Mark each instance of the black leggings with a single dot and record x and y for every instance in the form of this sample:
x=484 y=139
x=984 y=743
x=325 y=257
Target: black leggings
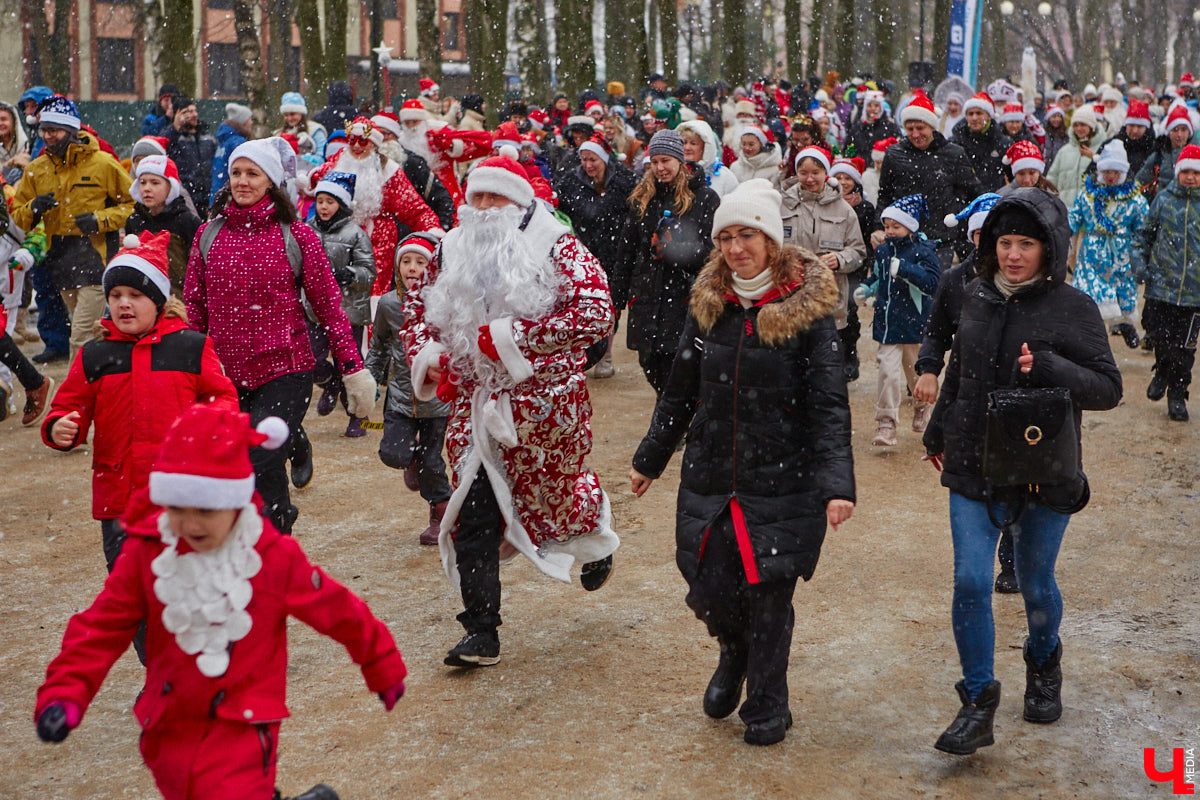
x=12 y=357
x=286 y=397
x=1170 y=325
x=477 y=550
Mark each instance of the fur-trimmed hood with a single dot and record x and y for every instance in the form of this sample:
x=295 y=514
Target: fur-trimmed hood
x=806 y=289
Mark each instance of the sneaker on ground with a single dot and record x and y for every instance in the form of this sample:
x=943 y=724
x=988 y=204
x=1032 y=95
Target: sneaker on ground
x=885 y=434
x=475 y=650
x=37 y=403
x=594 y=573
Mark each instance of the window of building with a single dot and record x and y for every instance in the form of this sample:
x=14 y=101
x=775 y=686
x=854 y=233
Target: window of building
x=390 y=9
x=450 y=31
x=114 y=62
x=224 y=72
x=221 y=5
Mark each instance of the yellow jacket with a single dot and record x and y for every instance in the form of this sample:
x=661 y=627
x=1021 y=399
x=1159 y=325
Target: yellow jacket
x=86 y=181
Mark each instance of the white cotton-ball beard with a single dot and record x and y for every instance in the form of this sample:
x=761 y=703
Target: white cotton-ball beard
x=368 y=184
x=487 y=272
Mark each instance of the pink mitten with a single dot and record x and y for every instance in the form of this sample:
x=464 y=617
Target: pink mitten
x=392 y=695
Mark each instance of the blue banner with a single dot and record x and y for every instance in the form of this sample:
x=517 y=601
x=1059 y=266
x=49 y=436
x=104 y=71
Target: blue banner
x=962 y=58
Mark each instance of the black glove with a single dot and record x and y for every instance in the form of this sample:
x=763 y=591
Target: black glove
x=52 y=724
x=87 y=224
x=344 y=277
x=41 y=204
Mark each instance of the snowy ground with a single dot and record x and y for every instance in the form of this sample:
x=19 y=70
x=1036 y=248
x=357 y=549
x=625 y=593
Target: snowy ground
x=598 y=695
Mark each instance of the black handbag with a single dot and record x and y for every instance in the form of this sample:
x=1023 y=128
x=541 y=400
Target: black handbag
x=1030 y=442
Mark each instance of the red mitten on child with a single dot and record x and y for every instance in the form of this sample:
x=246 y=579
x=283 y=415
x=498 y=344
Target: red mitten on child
x=58 y=719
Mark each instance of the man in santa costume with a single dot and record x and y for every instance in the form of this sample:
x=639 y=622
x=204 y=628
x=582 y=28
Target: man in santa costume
x=497 y=327
x=441 y=145
x=384 y=197
x=416 y=168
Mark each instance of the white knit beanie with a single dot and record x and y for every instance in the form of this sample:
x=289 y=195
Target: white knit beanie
x=273 y=155
x=754 y=204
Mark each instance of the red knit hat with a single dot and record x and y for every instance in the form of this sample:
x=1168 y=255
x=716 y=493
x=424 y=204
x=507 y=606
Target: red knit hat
x=853 y=167
x=142 y=264
x=1013 y=112
x=503 y=176
x=387 y=121
x=164 y=168
x=542 y=190
x=920 y=110
x=982 y=101
x=412 y=111
x=1179 y=116
x=1189 y=158
x=205 y=458
x=1024 y=155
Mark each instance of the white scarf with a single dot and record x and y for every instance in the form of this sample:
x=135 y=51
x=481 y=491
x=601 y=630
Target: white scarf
x=751 y=290
x=205 y=594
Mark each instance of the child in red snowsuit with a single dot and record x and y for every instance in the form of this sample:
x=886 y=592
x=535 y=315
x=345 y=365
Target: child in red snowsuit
x=133 y=382
x=215 y=582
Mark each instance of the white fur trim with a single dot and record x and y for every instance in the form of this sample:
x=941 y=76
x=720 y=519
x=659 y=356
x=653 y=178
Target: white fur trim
x=975 y=102
x=430 y=356
x=846 y=169
x=1175 y=123
x=510 y=354
x=814 y=153
x=413 y=114
x=1014 y=116
x=200 y=491
x=153 y=273
x=1187 y=163
x=292 y=108
x=905 y=219
x=592 y=147
x=756 y=132
x=1138 y=121
x=1029 y=162
x=386 y=123
x=877 y=155
x=502 y=182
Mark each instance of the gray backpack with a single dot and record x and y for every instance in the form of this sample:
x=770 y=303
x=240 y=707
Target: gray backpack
x=295 y=256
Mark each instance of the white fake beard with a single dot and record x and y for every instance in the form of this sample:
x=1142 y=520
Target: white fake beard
x=394 y=151
x=368 y=185
x=488 y=272
x=414 y=141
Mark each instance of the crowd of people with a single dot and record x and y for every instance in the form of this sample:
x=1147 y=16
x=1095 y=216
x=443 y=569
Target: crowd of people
x=203 y=288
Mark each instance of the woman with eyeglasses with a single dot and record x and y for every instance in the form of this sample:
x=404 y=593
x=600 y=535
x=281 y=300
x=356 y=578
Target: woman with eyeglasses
x=667 y=239
x=757 y=388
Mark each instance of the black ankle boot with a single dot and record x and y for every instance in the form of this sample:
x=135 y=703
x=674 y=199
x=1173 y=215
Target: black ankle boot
x=724 y=690
x=1043 y=687
x=1177 y=405
x=972 y=728
x=318 y=792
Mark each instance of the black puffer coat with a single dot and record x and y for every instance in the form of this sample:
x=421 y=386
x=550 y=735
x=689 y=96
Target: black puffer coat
x=943 y=316
x=863 y=135
x=181 y=223
x=1063 y=329
x=986 y=151
x=761 y=396
x=658 y=284
x=942 y=172
x=599 y=219
x=339 y=107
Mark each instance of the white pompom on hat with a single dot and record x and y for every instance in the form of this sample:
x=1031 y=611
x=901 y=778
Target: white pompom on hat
x=754 y=204
x=205 y=458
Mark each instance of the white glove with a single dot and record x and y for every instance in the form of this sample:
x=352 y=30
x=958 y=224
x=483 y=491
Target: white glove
x=860 y=294
x=894 y=266
x=24 y=258
x=360 y=393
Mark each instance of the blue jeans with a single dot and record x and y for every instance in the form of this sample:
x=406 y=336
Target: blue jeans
x=52 y=324
x=1037 y=536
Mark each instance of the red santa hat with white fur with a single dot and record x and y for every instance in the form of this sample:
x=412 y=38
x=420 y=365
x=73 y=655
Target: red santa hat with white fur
x=982 y=101
x=920 y=110
x=1024 y=155
x=413 y=111
x=503 y=176
x=164 y=168
x=1189 y=158
x=205 y=458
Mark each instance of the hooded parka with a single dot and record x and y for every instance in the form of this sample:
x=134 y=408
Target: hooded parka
x=825 y=223
x=598 y=219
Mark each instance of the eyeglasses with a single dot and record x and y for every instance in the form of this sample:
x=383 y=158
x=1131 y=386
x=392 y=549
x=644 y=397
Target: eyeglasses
x=744 y=238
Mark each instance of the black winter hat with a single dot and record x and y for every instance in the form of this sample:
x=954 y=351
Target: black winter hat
x=1017 y=221
x=129 y=276
x=472 y=102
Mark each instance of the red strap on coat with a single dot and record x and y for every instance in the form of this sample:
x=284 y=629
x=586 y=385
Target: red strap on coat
x=743 y=541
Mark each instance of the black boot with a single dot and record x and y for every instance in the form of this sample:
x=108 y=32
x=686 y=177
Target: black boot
x=724 y=690
x=301 y=456
x=1177 y=404
x=972 y=728
x=318 y=792
x=1158 y=385
x=1043 y=687
x=849 y=353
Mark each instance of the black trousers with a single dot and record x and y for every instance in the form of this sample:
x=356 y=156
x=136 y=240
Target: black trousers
x=12 y=357
x=406 y=439
x=657 y=368
x=477 y=549
x=112 y=536
x=754 y=621
x=285 y=397
x=1170 y=325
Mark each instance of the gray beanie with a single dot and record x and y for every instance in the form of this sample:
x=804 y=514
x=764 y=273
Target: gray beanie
x=666 y=143
x=237 y=113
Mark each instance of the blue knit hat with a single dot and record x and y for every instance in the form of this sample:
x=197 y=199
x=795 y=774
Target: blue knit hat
x=58 y=111
x=293 y=103
x=975 y=212
x=910 y=211
x=338 y=184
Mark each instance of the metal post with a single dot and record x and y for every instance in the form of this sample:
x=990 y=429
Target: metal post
x=376 y=36
x=922 y=25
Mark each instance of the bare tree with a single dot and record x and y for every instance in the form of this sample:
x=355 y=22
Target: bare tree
x=169 y=26
x=487 y=47
x=668 y=26
x=250 y=60
x=575 y=59
x=49 y=65
x=429 y=39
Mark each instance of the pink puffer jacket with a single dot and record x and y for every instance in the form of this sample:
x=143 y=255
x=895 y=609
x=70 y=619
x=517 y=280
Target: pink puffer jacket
x=245 y=297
